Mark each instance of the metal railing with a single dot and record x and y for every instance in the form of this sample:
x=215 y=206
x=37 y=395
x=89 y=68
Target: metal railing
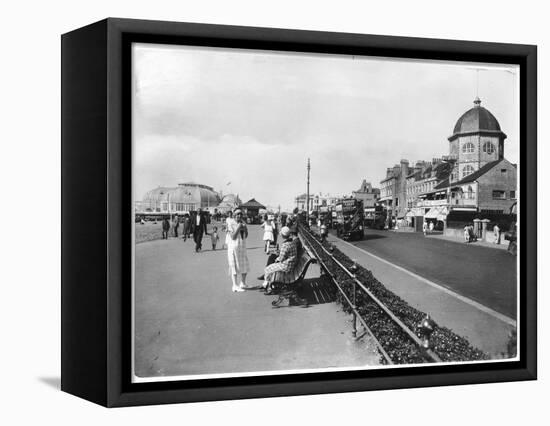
x=357 y=284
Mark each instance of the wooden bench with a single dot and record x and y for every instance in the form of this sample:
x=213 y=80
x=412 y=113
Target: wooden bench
x=285 y=283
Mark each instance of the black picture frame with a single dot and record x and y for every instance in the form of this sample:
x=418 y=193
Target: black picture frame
x=96 y=179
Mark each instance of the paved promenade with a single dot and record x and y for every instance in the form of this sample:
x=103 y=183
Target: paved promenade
x=188 y=322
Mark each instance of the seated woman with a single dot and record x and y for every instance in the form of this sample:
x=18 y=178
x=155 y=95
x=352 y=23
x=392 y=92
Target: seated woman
x=285 y=261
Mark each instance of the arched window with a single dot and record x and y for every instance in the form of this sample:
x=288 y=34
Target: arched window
x=468 y=148
x=470 y=193
x=488 y=147
x=467 y=170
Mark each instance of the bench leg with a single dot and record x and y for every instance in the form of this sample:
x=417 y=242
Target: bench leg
x=277 y=303
x=294 y=299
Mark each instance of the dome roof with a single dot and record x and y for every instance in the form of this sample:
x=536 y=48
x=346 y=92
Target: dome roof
x=187 y=193
x=157 y=194
x=475 y=120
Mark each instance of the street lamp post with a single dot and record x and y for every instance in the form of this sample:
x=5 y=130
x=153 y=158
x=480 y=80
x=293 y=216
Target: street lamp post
x=307 y=195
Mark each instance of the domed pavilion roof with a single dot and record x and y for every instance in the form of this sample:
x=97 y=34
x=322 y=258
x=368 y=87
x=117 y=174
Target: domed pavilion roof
x=477 y=120
x=187 y=193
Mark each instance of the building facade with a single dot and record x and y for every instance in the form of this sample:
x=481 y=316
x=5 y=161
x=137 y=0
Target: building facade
x=393 y=190
x=317 y=202
x=228 y=203
x=474 y=177
x=184 y=198
x=367 y=194
x=476 y=141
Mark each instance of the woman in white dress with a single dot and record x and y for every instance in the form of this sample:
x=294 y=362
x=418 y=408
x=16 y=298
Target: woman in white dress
x=236 y=251
x=268 y=233
x=228 y=220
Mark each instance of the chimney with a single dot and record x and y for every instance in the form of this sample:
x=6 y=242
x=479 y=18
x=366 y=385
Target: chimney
x=404 y=167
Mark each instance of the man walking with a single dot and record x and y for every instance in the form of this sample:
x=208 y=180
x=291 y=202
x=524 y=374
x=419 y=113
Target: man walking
x=165 y=228
x=176 y=224
x=199 y=229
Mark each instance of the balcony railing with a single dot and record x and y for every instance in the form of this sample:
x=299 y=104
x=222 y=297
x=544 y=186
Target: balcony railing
x=431 y=203
x=463 y=202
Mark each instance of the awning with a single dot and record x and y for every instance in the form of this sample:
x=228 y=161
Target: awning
x=410 y=214
x=443 y=212
x=465 y=209
x=439 y=213
x=432 y=214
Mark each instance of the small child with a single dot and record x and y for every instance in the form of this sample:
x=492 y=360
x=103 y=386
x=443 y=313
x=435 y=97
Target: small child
x=215 y=237
x=268 y=233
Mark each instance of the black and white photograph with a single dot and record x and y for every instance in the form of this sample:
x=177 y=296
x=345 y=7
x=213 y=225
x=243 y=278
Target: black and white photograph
x=300 y=212
x=275 y=213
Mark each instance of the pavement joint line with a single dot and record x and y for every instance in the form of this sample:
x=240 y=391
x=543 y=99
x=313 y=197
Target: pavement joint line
x=464 y=299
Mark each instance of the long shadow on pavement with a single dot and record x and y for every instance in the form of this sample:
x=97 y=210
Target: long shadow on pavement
x=373 y=237
x=312 y=291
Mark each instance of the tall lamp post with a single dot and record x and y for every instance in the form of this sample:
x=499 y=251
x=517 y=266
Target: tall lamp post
x=307 y=195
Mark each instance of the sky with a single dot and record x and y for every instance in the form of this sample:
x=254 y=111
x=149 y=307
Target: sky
x=246 y=121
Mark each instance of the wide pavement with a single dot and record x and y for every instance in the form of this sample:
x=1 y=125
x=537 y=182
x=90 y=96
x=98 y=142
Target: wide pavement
x=189 y=322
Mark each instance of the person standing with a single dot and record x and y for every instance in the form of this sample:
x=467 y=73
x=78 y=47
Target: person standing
x=275 y=225
x=496 y=233
x=199 y=229
x=176 y=225
x=268 y=233
x=214 y=237
x=471 y=233
x=165 y=228
x=228 y=221
x=237 y=257
x=186 y=227
x=431 y=227
x=512 y=237
x=425 y=227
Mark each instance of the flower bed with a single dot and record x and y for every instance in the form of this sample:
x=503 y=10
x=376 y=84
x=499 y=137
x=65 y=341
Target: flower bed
x=449 y=346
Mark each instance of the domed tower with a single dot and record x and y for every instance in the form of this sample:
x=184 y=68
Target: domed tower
x=476 y=141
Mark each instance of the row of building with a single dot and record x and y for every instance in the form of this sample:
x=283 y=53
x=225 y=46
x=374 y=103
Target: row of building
x=474 y=177
x=325 y=202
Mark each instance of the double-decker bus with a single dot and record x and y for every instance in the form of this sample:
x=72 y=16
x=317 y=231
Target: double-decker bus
x=375 y=217
x=349 y=219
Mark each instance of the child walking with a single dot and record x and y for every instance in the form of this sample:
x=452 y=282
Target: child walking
x=215 y=237
x=268 y=233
